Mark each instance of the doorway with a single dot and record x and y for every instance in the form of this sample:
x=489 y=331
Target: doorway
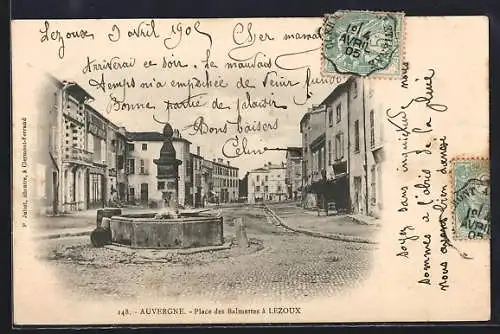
x=144 y=193
x=357 y=194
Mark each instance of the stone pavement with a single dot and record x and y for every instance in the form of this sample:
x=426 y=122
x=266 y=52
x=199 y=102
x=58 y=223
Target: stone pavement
x=76 y=223
x=64 y=232
x=336 y=227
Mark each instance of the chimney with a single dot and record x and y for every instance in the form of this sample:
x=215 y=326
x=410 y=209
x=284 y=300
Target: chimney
x=198 y=150
x=228 y=163
x=214 y=159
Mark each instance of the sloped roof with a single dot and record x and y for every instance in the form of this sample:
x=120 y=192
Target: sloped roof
x=150 y=136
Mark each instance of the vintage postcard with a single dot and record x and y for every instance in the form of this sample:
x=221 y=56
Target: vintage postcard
x=251 y=170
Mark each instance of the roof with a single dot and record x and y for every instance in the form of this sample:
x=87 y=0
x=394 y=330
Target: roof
x=316 y=109
x=334 y=94
x=276 y=166
x=339 y=89
x=259 y=170
x=151 y=136
x=98 y=114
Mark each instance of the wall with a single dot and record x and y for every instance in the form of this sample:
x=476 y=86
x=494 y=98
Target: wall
x=276 y=184
x=357 y=180
x=46 y=136
x=375 y=103
x=336 y=128
x=135 y=180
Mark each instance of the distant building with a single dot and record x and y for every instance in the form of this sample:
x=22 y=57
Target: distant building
x=142 y=149
x=312 y=127
x=267 y=183
x=225 y=182
x=243 y=196
x=200 y=184
x=213 y=181
x=293 y=178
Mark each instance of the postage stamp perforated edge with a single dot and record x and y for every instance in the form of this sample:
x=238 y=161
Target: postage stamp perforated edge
x=376 y=75
x=452 y=175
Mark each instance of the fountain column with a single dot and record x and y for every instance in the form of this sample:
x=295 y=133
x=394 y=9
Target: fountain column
x=168 y=171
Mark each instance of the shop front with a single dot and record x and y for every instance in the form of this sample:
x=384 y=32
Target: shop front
x=96 y=187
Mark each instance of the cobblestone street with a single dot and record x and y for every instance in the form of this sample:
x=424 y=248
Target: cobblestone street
x=278 y=264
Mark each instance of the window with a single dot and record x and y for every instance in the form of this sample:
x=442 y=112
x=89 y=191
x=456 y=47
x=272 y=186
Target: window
x=120 y=162
x=339 y=146
x=130 y=166
x=372 y=128
x=330 y=116
x=161 y=185
x=330 y=152
x=131 y=193
x=354 y=89
x=267 y=178
x=130 y=147
x=356 y=136
x=257 y=188
x=279 y=176
x=258 y=178
x=144 y=147
x=279 y=188
x=144 y=167
x=338 y=112
x=266 y=189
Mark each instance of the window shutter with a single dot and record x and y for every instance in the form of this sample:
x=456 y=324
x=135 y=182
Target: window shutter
x=341 y=153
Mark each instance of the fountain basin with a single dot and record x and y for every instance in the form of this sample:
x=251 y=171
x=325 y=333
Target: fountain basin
x=144 y=231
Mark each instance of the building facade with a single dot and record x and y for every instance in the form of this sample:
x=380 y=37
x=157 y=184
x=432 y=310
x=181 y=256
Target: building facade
x=267 y=184
x=97 y=145
x=143 y=185
x=312 y=128
x=348 y=171
x=225 y=181
x=85 y=161
x=294 y=172
x=200 y=181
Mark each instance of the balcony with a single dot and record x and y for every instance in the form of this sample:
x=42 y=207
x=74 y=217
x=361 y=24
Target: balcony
x=78 y=155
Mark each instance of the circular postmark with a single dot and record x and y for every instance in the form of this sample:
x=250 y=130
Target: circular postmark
x=471 y=200
x=360 y=42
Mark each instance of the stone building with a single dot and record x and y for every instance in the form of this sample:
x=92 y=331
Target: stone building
x=293 y=178
x=79 y=151
x=267 y=184
x=142 y=149
x=62 y=156
x=97 y=145
x=312 y=128
x=342 y=157
x=225 y=181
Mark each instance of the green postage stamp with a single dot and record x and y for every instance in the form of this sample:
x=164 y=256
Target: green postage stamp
x=362 y=43
x=471 y=198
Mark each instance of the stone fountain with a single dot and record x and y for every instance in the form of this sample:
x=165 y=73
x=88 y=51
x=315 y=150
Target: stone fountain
x=169 y=228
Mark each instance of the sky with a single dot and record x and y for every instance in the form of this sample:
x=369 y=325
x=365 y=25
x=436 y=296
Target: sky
x=279 y=70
